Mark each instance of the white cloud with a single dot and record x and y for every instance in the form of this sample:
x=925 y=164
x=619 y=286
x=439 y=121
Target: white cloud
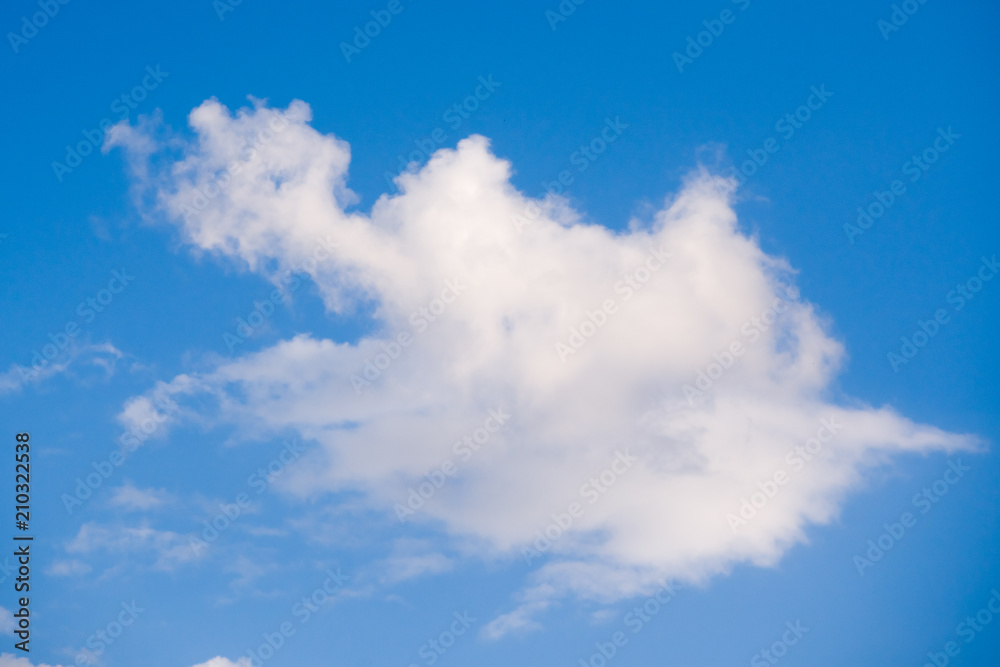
x=519 y=620
x=523 y=289
x=10 y=660
x=6 y=621
x=412 y=559
x=68 y=568
x=247 y=571
x=223 y=662
x=129 y=497
x=169 y=549
x=104 y=356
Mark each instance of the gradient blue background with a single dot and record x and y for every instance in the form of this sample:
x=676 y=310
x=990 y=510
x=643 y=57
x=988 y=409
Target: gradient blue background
x=557 y=87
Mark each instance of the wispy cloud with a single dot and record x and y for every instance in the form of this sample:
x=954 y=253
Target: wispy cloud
x=10 y=660
x=129 y=497
x=68 y=568
x=168 y=549
x=412 y=559
x=104 y=357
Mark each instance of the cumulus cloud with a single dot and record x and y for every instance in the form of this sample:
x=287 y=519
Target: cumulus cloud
x=612 y=353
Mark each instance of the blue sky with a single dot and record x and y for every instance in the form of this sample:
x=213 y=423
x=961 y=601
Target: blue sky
x=185 y=333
